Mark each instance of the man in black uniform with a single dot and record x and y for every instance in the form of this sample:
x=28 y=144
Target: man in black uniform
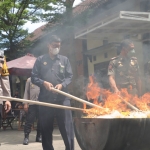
x=123 y=70
x=54 y=70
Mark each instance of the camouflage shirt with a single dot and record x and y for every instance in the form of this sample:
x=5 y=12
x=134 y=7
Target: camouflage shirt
x=124 y=70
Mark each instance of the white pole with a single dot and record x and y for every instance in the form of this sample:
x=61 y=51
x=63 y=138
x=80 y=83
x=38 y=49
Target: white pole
x=41 y=103
x=76 y=98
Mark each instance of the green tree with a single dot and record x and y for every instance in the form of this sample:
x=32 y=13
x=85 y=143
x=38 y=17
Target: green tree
x=13 y=15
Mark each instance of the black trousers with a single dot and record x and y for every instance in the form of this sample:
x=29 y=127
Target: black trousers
x=33 y=113
x=65 y=124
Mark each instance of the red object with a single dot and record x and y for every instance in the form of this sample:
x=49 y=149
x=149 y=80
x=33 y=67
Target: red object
x=21 y=66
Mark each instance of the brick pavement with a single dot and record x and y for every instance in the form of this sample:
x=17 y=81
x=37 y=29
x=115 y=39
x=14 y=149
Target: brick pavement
x=12 y=140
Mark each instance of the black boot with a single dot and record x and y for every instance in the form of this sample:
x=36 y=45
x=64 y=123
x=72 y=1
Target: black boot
x=26 y=139
x=38 y=137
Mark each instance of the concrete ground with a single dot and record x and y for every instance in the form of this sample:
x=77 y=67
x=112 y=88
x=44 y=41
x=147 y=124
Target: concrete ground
x=12 y=140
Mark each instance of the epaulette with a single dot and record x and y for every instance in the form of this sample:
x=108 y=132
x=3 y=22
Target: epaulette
x=5 y=68
x=134 y=58
x=28 y=80
x=114 y=58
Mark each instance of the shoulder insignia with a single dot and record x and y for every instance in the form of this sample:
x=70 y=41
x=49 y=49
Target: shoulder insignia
x=45 y=63
x=5 y=68
x=114 y=58
x=28 y=80
x=134 y=58
x=132 y=62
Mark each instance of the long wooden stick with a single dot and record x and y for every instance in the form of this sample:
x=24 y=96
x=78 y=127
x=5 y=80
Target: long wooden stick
x=76 y=98
x=41 y=103
x=129 y=104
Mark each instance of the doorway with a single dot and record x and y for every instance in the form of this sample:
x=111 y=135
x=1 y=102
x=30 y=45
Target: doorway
x=100 y=71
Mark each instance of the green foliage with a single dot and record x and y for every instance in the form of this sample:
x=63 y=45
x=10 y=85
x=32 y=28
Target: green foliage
x=14 y=14
x=60 y=18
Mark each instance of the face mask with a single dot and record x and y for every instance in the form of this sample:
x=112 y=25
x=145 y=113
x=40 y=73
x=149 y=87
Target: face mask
x=131 y=53
x=55 y=51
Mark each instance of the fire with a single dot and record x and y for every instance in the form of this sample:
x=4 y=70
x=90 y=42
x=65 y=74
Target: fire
x=112 y=102
x=93 y=90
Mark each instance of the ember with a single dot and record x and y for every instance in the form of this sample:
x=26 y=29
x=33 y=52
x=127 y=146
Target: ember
x=113 y=105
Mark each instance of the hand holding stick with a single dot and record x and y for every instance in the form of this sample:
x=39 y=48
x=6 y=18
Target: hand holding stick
x=76 y=98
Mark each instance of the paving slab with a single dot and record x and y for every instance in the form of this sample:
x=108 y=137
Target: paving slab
x=12 y=140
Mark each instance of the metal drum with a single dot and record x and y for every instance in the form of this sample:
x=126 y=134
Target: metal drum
x=113 y=134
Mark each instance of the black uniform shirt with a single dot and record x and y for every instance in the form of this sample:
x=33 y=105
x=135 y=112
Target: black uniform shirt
x=57 y=71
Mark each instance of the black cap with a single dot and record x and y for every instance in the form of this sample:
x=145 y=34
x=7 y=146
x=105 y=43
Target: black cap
x=125 y=43
x=54 y=38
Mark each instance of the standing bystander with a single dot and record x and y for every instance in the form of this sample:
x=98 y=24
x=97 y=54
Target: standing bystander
x=4 y=85
x=31 y=93
x=123 y=70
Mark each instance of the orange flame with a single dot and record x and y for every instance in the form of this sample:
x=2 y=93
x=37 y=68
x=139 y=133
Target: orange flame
x=93 y=90
x=112 y=101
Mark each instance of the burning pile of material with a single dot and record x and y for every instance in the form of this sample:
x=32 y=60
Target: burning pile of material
x=113 y=105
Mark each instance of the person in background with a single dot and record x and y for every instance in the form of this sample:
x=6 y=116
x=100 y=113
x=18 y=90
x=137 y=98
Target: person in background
x=16 y=105
x=32 y=111
x=54 y=71
x=4 y=85
x=123 y=71
x=147 y=77
x=16 y=95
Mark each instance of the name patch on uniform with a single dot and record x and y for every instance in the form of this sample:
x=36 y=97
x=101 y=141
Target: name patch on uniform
x=61 y=68
x=45 y=63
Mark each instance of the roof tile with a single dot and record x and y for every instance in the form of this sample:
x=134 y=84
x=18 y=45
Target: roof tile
x=76 y=11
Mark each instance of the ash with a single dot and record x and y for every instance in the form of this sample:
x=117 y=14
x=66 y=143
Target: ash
x=117 y=114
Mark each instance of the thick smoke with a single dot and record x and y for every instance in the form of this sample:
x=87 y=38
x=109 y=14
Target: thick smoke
x=80 y=22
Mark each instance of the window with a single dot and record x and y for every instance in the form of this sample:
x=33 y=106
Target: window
x=105 y=55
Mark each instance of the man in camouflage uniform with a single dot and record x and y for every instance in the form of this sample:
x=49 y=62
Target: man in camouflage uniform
x=123 y=70
x=147 y=77
x=4 y=85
